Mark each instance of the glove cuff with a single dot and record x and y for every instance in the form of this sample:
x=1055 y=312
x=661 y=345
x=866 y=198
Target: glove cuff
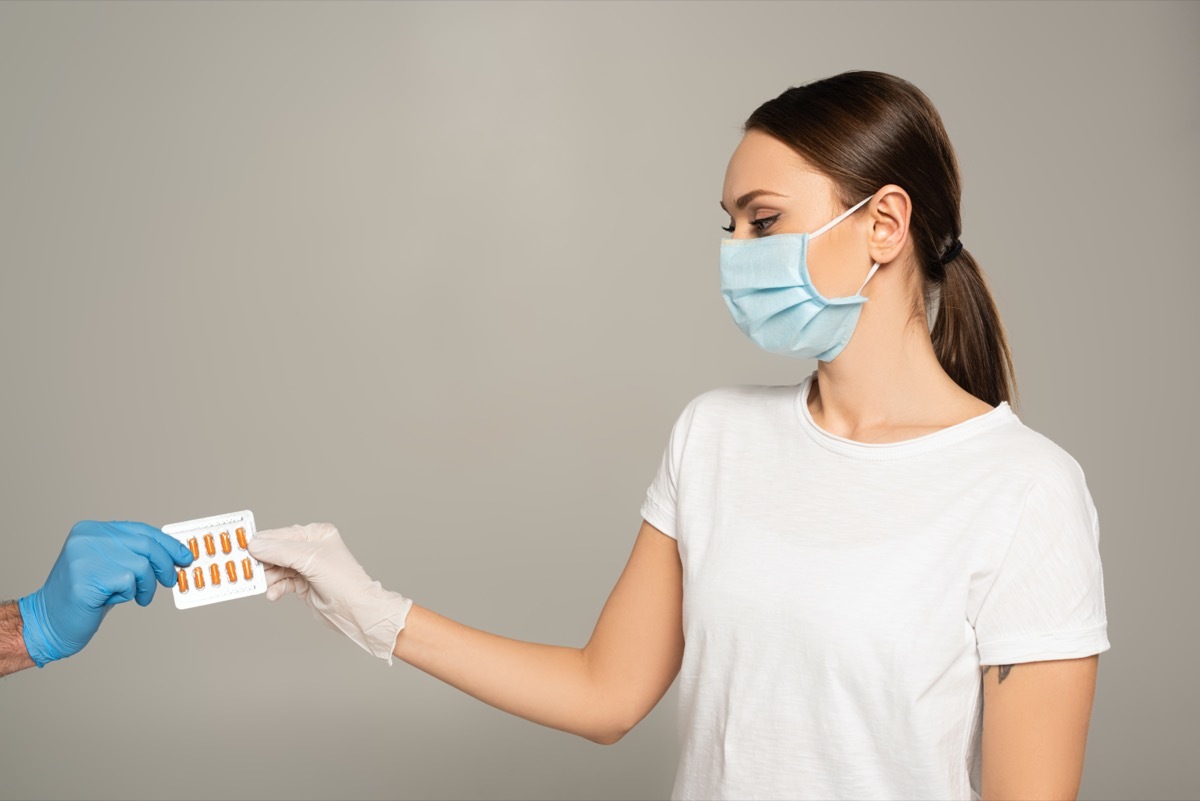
x=381 y=636
x=374 y=618
x=39 y=640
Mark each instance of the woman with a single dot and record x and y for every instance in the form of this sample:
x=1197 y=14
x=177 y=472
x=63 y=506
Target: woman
x=832 y=568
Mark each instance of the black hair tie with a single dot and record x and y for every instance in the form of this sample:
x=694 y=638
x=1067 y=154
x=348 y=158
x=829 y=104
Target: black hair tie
x=952 y=253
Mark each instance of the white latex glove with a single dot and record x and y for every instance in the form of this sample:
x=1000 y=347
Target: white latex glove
x=313 y=562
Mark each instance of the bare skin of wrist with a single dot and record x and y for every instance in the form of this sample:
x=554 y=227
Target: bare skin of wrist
x=13 y=654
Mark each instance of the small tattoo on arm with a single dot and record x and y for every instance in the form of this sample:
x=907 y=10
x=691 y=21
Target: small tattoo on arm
x=1003 y=671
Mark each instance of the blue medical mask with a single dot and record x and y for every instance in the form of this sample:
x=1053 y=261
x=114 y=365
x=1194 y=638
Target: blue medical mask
x=766 y=285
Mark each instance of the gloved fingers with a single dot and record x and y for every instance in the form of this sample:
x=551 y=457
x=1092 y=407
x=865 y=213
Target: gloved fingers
x=286 y=547
x=176 y=550
x=276 y=573
x=282 y=580
x=148 y=548
x=285 y=534
x=128 y=576
x=116 y=586
x=285 y=585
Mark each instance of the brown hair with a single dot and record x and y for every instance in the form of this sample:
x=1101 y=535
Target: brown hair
x=866 y=129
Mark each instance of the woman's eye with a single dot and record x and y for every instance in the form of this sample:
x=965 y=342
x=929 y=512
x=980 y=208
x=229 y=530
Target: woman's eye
x=764 y=223
x=728 y=228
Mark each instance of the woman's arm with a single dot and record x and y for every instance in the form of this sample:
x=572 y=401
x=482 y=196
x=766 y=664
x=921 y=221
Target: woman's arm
x=599 y=691
x=1035 y=726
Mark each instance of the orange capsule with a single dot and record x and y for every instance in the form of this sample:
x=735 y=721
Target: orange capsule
x=198 y=578
x=194 y=547
x=247 y=569
x=214 y=573
x=183 y=586
x=210 y=545
x=231 y=571
x=226 y=545
x=241 y=535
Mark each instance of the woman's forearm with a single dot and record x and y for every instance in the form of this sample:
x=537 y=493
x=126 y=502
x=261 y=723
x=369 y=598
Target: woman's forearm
x=546 y=684
x=14 y=655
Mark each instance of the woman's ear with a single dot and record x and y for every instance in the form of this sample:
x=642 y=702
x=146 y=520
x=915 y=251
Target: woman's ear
x=889 y=213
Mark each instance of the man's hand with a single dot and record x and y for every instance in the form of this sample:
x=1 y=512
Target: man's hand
x=101 y=565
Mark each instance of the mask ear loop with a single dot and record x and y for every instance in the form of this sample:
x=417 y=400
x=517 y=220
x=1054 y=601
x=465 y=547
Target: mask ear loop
x=874 y=267
x=838 y=219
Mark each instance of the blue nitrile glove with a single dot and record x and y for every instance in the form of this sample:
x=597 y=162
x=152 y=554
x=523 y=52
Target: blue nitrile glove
x=100 y=565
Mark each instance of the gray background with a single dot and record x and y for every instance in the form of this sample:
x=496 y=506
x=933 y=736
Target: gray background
x=444 y=275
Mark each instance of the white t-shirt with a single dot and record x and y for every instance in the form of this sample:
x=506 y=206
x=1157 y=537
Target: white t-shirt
x=840 y=597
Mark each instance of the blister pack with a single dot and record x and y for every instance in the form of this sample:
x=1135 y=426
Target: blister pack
x=223 y=568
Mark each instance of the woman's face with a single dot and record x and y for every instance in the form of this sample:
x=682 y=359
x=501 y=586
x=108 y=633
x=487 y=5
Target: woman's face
x=770 y=189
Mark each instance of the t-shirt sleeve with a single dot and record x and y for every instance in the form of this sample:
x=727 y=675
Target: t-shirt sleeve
x=1047 y=600
x=660 y=506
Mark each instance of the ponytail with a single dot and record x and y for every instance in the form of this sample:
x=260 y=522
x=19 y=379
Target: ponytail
x=968 y=336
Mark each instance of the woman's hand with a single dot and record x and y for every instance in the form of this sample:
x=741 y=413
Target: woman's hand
x=313 y=562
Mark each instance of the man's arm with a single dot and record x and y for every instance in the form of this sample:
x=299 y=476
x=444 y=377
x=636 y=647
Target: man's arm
x=13 y=654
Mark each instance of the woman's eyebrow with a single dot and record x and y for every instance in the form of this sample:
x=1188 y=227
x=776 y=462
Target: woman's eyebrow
x=746 y=198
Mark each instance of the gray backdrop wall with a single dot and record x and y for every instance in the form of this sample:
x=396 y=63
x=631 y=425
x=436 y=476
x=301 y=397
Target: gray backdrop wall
x=444 y=274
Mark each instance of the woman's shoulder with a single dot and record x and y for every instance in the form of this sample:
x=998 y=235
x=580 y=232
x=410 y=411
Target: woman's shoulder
x=742 y=397
x=738 y=407
x=1033 y=454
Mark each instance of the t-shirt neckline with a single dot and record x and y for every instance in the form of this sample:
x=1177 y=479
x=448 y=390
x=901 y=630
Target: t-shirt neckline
x=877 y=451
